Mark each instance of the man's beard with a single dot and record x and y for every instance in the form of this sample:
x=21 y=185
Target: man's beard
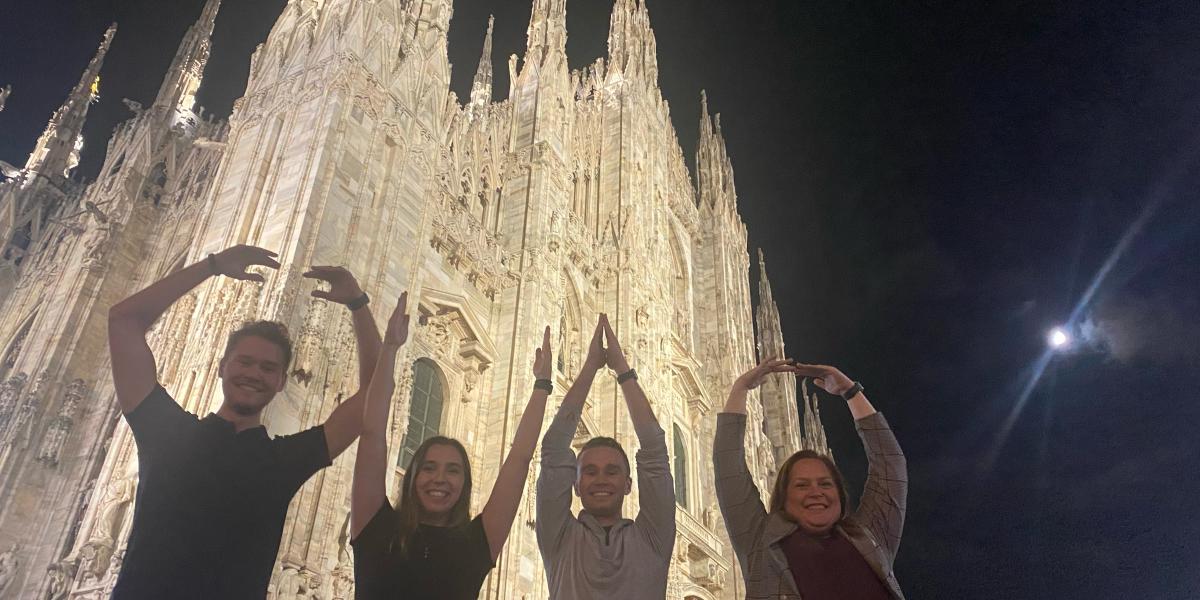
x=247 y=403
x=245 y=410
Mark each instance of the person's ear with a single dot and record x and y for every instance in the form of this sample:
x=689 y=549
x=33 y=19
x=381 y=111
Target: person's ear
x=628 y=485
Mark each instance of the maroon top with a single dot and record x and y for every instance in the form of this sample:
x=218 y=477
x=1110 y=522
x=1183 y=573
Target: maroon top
x=831 y=568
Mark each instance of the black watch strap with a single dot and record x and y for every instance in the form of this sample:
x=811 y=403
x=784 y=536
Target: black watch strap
x=359 y=302
x=626 y=376
x=212 y=263
x=544 y=384
x=852 y=392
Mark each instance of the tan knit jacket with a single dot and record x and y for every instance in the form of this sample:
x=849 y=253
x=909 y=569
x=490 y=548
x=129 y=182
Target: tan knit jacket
x=874 y=528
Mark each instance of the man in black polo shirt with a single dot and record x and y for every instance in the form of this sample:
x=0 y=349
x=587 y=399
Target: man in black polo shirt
x=213 y=492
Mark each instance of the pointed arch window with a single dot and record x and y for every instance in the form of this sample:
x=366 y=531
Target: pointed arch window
x=425 y=409
x=681 y=468
x=562 y=342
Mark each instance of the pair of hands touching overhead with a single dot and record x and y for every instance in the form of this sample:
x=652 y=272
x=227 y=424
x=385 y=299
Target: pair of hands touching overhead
x=604 y=349
x=826 y=377
x=598 y=354
x=236 y=261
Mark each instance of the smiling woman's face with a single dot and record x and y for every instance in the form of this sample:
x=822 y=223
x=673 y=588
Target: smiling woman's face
x=439 y=482
x=812 y=497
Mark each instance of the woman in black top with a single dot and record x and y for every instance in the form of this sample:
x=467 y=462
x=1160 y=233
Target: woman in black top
x=428 y=547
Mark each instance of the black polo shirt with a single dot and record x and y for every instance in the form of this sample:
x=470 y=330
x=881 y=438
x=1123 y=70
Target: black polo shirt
x=210 y=502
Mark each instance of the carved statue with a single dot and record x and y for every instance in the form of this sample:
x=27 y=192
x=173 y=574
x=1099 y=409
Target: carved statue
x=112 y=511
x=342 y=576
x=309 y=584
x=681 y=323
x=289 y=582
x=134 y=106
x=343 y=583
x=95 y=242
x=58 y=580
x=470 y=383
x=343 y=542
x=9 y=392
x=98 y=552
x=4 y=94
x=54 y=440
x=712 y=516
x=8 y=566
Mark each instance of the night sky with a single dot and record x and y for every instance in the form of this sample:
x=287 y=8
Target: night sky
x=935 y=185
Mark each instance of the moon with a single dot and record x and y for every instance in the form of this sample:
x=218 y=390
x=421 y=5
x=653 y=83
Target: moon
x=1058 y=338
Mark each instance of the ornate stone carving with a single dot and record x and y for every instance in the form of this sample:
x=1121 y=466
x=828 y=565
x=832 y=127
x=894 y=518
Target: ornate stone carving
x=56 y=434
x=309 y=352
x=470 y=248
x=96 y=244
x=472 y=372
x=97 y=553
x=342 y=580
x=58 y=580
x=10 y=394
x=16 y=430
x=708 y=573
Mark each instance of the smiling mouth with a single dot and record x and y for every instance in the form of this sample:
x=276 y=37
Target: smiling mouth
x=816 y=506
x=602 y=494
x=249 y=387
x=439 y=494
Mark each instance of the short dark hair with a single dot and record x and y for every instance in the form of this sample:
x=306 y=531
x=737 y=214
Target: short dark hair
x=272 y=331
x=607 y=442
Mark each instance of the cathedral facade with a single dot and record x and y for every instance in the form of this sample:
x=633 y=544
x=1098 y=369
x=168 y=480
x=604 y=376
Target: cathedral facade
x=567 y=199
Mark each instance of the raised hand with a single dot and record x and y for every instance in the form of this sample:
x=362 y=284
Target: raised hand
x=616 y=356
x=343 y=287
x=754 y=377
x=596 y=355
x=826 y=377
x=233 y=262
x=397 y=327
x=541 y=357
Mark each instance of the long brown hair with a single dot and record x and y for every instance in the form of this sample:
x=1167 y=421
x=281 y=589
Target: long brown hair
x=779 y=493
x=409 y=513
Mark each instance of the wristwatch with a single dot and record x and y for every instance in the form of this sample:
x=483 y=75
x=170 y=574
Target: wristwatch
x=544 y=384
x=852 y=392
x=358 y=302
x=626 y=376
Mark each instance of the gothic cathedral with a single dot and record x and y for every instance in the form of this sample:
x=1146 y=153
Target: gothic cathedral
x=569 y=198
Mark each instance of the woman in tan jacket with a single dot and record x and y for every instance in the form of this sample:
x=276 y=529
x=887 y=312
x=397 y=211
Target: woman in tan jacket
x=808 y=544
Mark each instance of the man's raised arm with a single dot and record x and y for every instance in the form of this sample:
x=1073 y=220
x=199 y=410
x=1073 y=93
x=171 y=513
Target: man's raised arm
x=346 y=421
x=656 y=487
x=558 y=461
x=134 y=371
x=644 y=421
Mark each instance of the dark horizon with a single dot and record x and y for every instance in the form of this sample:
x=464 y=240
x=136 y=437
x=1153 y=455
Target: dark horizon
x=934 y=187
